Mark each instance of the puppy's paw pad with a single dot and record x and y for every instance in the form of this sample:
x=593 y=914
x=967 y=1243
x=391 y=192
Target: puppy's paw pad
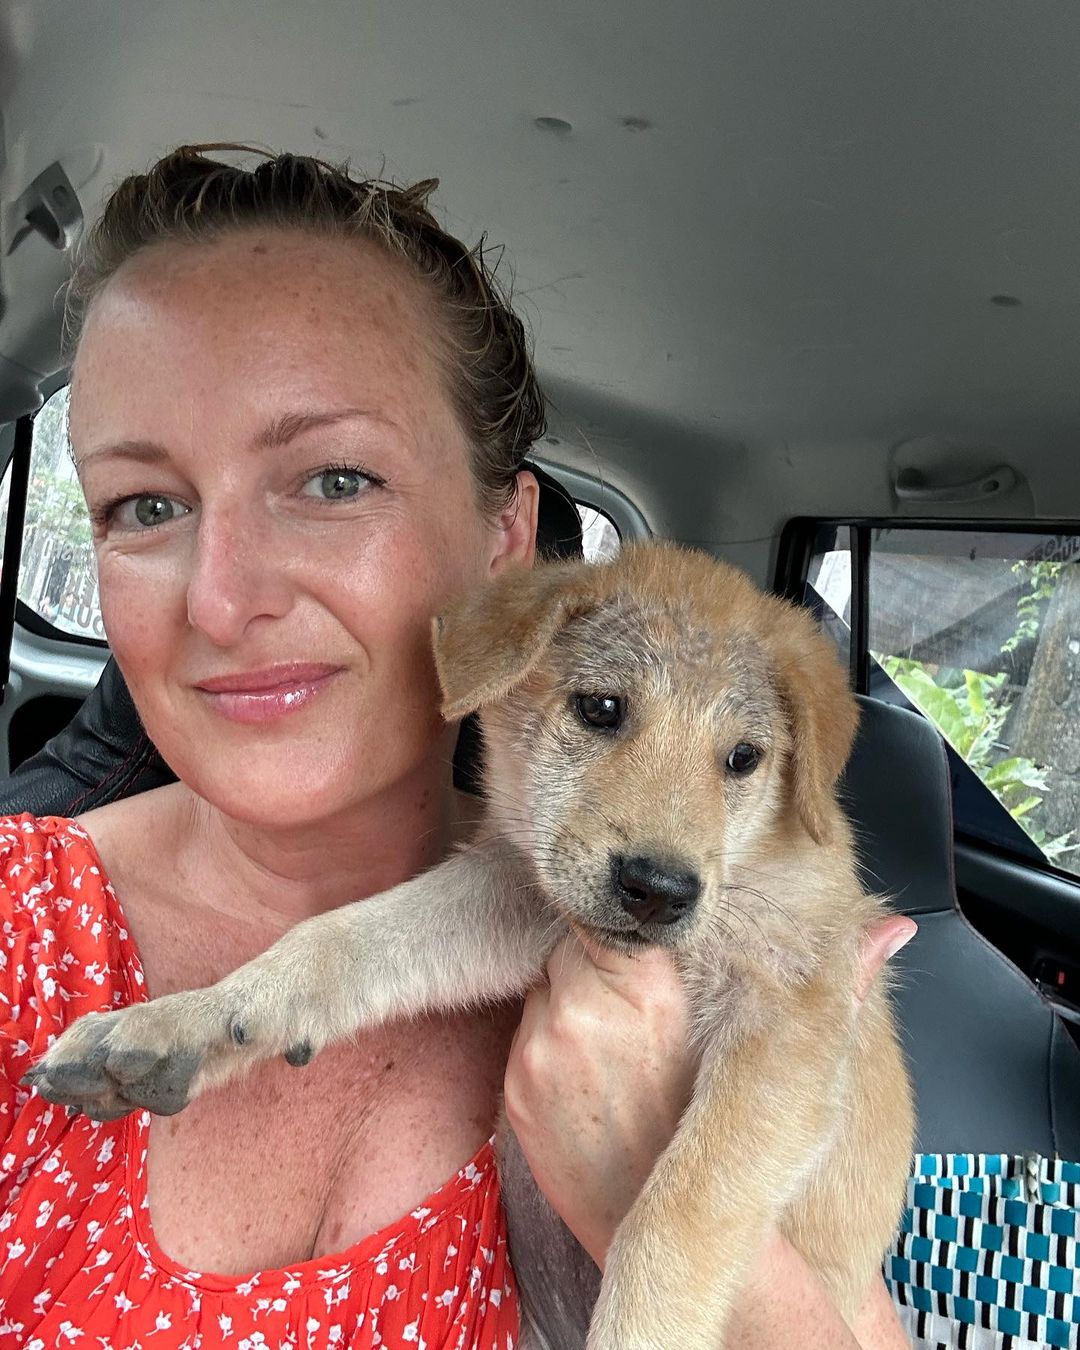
x=108 y=1064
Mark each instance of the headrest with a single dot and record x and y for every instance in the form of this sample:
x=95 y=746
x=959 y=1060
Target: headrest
x=558 y=525
x=897 y=794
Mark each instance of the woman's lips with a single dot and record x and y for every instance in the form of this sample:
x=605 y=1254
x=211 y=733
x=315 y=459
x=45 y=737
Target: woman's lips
x=264 y=695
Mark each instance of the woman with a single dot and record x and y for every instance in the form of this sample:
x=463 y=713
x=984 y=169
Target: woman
x=299 y=411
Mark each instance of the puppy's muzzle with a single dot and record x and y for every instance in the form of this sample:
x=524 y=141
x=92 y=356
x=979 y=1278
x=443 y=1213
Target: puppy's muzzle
x=652 y=892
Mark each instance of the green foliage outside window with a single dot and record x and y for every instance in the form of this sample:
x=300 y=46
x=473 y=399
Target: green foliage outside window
x=970 y=708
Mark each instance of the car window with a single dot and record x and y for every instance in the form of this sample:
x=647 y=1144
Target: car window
x=980 y=630
x=599 y=537
x=57 y=573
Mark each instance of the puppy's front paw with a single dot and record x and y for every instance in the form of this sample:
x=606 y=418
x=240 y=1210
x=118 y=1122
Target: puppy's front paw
x=159 y=1055
x=108 y=1064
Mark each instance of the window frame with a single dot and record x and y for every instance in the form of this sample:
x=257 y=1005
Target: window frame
x=794 y=554
x=585 y=490
x=25 y=617
x=32 y=622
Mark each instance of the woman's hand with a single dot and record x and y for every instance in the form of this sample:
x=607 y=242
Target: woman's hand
x=882 y=941
x=600 y=1072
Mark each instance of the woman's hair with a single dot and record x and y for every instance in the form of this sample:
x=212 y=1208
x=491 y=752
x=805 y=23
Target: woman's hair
x=189 y=198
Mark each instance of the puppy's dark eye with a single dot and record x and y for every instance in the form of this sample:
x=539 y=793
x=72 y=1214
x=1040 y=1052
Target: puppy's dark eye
x=600 y=710
x=744 y=758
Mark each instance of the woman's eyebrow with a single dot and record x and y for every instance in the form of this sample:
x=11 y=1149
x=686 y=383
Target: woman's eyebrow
x=287 y=427
x=146 y=452
x=275 y=434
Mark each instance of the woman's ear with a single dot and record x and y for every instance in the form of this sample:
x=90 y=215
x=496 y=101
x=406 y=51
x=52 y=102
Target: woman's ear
x=490 y=640
x=516 y=526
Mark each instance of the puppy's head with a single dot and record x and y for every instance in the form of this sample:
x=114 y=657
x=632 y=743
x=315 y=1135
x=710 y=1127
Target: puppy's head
x=654 y=727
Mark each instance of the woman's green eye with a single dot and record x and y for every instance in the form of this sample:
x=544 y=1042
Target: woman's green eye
x=142 y=513
x=335 y=485
x=154 y=510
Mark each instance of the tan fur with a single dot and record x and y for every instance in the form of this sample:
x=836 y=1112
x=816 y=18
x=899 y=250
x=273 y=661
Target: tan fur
x=801 y=1114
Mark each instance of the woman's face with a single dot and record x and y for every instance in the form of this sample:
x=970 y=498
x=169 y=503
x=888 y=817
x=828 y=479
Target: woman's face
x=282 y=499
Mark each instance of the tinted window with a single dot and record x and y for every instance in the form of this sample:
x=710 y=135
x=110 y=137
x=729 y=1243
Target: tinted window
x=979 y=630
x=57 y=574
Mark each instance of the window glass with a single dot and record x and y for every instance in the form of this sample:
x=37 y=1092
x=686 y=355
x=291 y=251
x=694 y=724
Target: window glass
x=980 y=630
x=828 y=586
x=57 y=574
x=599 y=537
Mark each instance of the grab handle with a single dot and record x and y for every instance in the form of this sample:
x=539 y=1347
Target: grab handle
x=911 y=486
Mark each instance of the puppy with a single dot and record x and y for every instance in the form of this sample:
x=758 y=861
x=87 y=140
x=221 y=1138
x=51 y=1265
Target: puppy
x=662 y=748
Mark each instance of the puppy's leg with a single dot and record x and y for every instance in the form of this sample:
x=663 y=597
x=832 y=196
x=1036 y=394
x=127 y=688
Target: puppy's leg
x=558 y=1281
x=847 y=1215
x=764 y=1109
x=469 y=930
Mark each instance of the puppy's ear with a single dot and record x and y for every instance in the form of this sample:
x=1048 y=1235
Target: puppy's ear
x=822 y=713
x=490 y=640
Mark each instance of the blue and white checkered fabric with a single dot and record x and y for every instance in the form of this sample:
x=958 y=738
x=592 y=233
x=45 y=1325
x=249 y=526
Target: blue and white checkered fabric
x=986 y=1258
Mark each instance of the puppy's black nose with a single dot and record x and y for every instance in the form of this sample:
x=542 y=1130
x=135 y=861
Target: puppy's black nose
x=653 y=893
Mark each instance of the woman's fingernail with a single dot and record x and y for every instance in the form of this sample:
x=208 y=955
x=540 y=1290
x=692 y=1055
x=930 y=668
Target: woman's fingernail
x=901 y=940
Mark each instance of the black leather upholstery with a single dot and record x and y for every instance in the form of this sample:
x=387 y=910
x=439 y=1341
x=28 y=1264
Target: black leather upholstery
x=104 y=754
x=558 y=525
x=994 y=1069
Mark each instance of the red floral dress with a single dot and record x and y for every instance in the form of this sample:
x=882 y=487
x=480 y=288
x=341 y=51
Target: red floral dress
x=79 y=1265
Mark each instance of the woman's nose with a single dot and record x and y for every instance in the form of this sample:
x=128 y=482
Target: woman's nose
x=237 y=577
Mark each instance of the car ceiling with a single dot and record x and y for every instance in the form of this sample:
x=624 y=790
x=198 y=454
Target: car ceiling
x=770 y=252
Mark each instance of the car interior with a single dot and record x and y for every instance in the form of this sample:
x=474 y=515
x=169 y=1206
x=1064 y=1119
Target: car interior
x=804 y=291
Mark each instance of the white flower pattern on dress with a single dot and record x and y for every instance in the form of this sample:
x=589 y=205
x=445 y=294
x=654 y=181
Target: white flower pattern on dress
x=79 y=1265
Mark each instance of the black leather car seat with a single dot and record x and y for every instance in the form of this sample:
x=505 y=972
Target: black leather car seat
x=995 y=1070
x=104 y=753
